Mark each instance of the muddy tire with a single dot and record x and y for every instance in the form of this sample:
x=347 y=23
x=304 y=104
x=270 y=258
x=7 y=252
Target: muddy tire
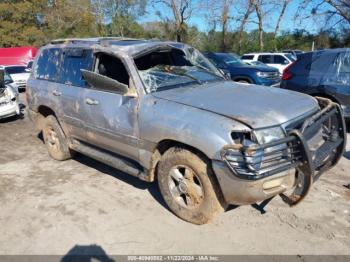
x=187 y=184
x=55 y=140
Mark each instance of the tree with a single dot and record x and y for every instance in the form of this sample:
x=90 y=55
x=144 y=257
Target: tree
x=120 y=16
x=21 y=23
x=334 y=12
x=65 y=18
x=248 y=12
x=283 y=9
x=182 y=11
x=258 y=5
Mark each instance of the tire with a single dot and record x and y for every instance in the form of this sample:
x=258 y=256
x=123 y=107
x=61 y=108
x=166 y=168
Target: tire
x=55 y=140
x=243 y=81
x=187 y=185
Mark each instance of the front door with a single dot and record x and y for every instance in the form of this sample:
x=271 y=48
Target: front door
x=112 y=123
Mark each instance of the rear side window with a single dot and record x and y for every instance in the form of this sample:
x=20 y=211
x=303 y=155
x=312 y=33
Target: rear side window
x=248 y=57
x=344 y=63
x=321 y=63
x=266 y=59
x=47 y=65
x=74 y=60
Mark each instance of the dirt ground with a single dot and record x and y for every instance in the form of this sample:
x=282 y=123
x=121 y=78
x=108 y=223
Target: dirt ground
x=50 y=207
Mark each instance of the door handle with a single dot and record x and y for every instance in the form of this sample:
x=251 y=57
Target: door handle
x=56 y=93
x=90 y=101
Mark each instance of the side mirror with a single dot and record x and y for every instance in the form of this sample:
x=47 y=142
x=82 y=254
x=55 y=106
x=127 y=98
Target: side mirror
x=2 y=78
x=102 y=82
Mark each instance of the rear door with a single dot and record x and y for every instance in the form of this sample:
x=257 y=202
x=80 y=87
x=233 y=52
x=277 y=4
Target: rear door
x=44 y=87
x=72 y=88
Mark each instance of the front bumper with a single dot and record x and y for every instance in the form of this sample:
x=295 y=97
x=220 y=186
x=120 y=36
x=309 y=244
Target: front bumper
x=297 y=168
x=9 y=109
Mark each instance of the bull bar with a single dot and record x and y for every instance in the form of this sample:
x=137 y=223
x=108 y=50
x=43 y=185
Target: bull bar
x=293 y=152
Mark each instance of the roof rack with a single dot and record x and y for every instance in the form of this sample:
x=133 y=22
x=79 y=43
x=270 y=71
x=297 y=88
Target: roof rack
x=99 y=40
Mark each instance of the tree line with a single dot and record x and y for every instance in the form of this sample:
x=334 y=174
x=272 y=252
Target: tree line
x=231 y=25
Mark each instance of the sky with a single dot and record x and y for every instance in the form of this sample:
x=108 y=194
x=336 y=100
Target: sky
x=198 y=19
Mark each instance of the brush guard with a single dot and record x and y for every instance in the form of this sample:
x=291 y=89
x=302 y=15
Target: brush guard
x=294 y=152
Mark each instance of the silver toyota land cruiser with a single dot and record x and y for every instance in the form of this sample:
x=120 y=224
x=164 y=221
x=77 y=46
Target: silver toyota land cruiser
x=162 y=112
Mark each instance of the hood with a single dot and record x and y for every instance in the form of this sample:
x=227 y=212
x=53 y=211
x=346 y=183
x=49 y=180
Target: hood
x=255 y=106
x=20 y=77
x=254 y=68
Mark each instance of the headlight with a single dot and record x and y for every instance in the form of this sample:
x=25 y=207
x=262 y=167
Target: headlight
x=268 y=135
x=250 y=157
x=262 y=74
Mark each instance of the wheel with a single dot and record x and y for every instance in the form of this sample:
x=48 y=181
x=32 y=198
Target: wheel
x=55 y=140
x=243 y=81
x=188 y=187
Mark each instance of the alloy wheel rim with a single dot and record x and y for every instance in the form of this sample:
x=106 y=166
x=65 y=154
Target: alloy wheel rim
x=185 y=186
x=52 y=138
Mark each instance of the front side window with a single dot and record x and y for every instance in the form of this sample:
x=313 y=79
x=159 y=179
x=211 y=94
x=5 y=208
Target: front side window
x=47 y=65
x=169 y=67
x=291 y=57
x=73 y=61
x=278 y=59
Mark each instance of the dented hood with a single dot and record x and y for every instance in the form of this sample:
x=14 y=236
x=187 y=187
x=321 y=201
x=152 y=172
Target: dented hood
x=255 y=106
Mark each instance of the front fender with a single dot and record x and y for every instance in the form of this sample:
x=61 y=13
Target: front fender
x=206 y=131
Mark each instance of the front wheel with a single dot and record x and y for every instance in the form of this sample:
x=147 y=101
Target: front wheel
x=188 y=187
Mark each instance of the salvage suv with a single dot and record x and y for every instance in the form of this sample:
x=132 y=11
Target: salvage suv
x=161 y=111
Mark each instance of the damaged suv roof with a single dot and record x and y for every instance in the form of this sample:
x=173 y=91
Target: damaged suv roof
x=128 y=46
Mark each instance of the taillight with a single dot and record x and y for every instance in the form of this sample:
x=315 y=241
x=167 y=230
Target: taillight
x=286 y=75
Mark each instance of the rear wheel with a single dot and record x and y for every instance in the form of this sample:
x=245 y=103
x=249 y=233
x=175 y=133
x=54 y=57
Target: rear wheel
x=188 y=187
x=55 y=140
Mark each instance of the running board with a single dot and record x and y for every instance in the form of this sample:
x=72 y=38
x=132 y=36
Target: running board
x=118 y=162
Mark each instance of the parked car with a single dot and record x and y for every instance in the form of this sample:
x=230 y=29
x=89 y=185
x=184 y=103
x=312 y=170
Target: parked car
x=163 y=112
x=323 y=73
x=277 y=60
x=19 y=74
x=244 y=73
x=9 y=105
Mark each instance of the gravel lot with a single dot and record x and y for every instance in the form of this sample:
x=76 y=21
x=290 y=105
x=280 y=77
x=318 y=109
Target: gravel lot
x=50 y=207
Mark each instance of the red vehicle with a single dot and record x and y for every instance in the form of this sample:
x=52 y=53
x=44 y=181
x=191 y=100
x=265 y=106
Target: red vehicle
x=17 y=55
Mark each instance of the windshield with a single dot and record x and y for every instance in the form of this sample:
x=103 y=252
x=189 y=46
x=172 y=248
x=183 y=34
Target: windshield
x=230 y=59
x=7 y=78
x=168 y=67
x=16 y=69
x=290 y=57
x=258 y=63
